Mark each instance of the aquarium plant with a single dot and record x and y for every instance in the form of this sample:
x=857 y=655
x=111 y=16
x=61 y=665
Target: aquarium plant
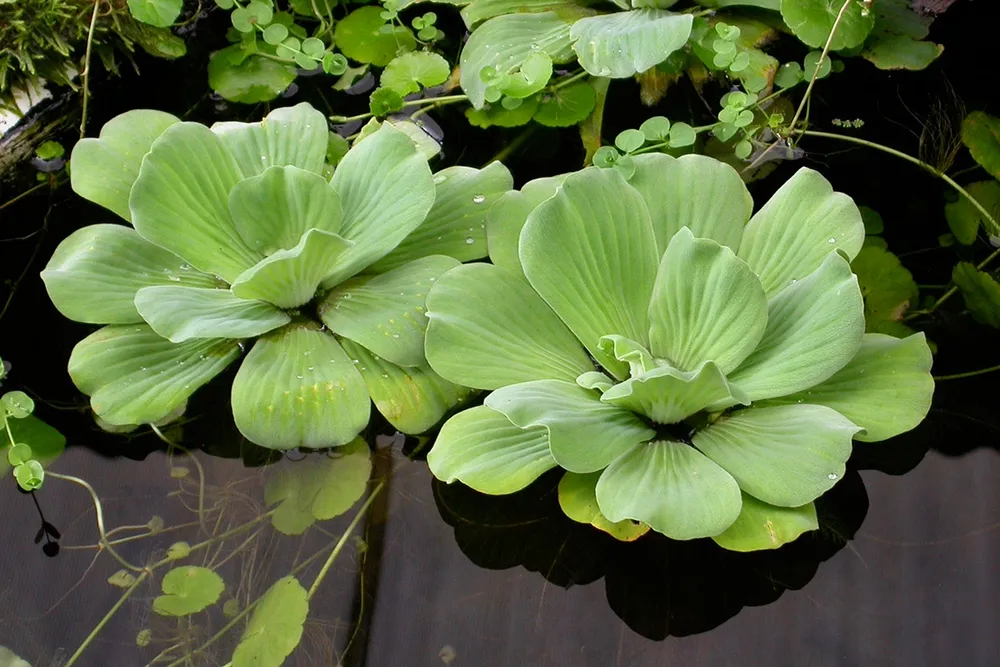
x=239 y=239
x=694 y=369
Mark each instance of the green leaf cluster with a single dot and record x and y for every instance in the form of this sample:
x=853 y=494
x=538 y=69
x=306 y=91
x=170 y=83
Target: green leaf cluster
x=27 y=444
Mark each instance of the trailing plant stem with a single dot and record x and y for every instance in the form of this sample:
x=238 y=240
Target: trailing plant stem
x=107 y=617
x=969 y=374
x=86 y=70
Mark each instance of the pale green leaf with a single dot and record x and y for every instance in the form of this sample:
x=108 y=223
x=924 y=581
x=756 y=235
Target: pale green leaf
x=981 y=293
x=704 y=195
x=272 y=211
x=890 y=52
x=386 y=190
x=814 y=327
x=181 y=313
x=290 y=278
x=638 y=358
x=248 y=79
x=275 y=628
x=507 y=217
x=188 y=590
x=595 y=380
x=672 y=487
x=488 y=329
x=159 y=13
x=762 y=526
x=812 y=21
x=981 y=135
x=964 y=219
x=411 y=399
x=406 y=74
x=291 y=136
x=478 y=11
x=886 y=389
x=7 y=657
x=179 y=201
x=887 y=287
x=589 y=251
x=318 y=488
x=95 y=272
x=622 y=44
x=584 y=434
x=707 y=305
x=105 y=168
x=359 y=37
x=578 y=500
x=385 y=312
x=456 y=224
x=133 y=376
x=795 y=231
x=46 y=443
x=482 y=449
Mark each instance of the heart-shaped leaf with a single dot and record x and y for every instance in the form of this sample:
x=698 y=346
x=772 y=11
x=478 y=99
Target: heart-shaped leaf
x=188 y=590
x=275 y=628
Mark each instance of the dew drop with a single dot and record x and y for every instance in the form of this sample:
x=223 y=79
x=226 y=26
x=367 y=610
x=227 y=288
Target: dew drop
x=440 y=178
x=479 y=199
x=469 y=241
x=347 y=295
x=832 y=475
x=395 y=335
x=831 y=240
x=299 y=377
x=385 y=375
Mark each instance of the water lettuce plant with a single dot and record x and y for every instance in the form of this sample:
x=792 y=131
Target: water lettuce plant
x=694 y=369
x=238 y=233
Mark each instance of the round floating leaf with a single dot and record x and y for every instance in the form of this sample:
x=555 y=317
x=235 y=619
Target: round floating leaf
x=188 y=590
x=584 y=433
x=578 y=501
x=385 y=312
x=500 y=116
x=30 y=475
x=9 y=659
x=408 y=72
x=133 y=376
x=238 y=77
x=104 y=169
x=287 y=137
x=629 y=141
x=814 y=328
x=297 y=388
x=813 y=20
x=17 y=404
x=46 y=443
x=886 y=389
x=964 y=219
x=707 y=305
x=656 y=128
x=981 y=292
x=95 y=272
x=566 y=106
x=159 y=13
x=360 y=37
x=482 y=449
x=275 y=34
x=888 y=288
x=889 y=52
x=762 y=526
x=789 y=74
x=981 y=134
x=785 y=455
x=681 y=135
x=672 y=487
x=621 y=44
x=182 y=313
x=18 y=453
x=596 y=276
x=275 y=628
x=318 y=488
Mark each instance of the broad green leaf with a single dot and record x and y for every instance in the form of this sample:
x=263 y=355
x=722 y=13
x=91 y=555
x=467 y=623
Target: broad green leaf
x=584 y=434
x=814 y=328
x=386 y=190
x=589 y=251
x=785 y=455
x=406 y=74
x=889 y=52
x=188 y=590
x=274 y=210
x=478 y=11
x=297 y=388
x=507 y=217
x=7 y=657
x=566 y=106
x=887 y=287
x=774 y=5
x=886 y=389
x=275 y=628
x=456 y=224
x=179 y=200
x=482 y=449
x=385 y=312
x=317 y=488
x=182 y=313
x=981 y=292
x=95 y=272
x=133 y=376
x=290 y=278
x=287 y=137
x=159 y=13
x=671 y=486
x=504 y=42
x=981 y=135
x=248 y=79
x=898 y=18
x=411 y=399
x=666 y=395
x=578 y=500
x=964 y=218
x=762 y=526
x=812 y=21
x=487 y=328
x=621 y=44
x=795 y=231
x=46 y=443
x=638 y=358
x=359 y=37
x=704 y=195
x=105 y=168
x=707 y=305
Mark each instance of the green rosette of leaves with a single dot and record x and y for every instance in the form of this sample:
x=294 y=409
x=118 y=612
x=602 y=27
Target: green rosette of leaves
x=238 y=240
x=694 y=369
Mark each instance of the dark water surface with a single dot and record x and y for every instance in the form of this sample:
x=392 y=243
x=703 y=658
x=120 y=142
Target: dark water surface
x=906 y=570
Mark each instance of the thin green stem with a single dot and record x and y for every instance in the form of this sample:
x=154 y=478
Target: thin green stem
x=568 y=80
x=436 y=101
x=107 y=617
x=86 y=70
x=214 y=540
x=666 y=144
x=21 y=196
x=201 y=474
x=959 y=376
x=512 y=146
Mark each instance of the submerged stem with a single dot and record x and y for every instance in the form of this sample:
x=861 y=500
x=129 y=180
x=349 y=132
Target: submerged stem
x=969 y=374
x=107 y=617
x=86 y=70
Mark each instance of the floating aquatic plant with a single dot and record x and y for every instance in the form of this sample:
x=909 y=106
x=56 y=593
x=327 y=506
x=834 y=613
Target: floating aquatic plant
x=238 y=235
x=693 y=369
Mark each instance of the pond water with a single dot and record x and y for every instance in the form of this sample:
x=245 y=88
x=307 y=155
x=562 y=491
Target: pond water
x=904 y=571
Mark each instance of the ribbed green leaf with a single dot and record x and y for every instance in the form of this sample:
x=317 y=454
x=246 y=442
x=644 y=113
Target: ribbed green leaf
x=622 y=44
x=762 y=526
x=508 y=215
x=667 y=395
x=181 y=313
x=578 y=500
x=292 y=136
